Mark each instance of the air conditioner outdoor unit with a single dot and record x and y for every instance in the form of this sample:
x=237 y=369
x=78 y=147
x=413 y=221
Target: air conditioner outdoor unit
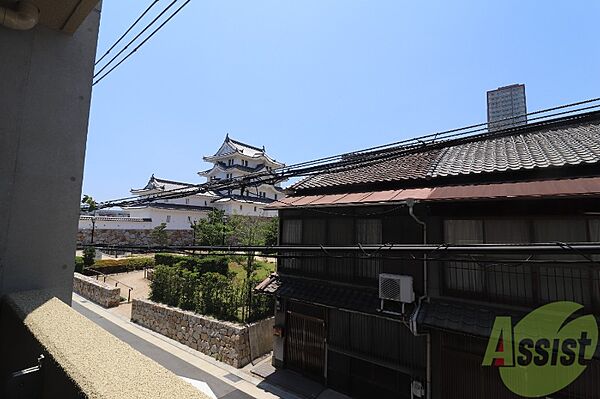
x=396 y=287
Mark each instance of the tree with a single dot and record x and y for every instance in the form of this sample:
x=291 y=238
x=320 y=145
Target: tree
x=159 y=235
x=213 y=230
x=89 y=256
x=249 y=231
x=272 y=232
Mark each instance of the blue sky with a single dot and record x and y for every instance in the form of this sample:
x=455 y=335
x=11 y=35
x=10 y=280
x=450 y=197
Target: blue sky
x=313 y=78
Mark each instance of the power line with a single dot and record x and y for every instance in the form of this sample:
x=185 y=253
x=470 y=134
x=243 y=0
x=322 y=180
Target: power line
x=127 y=31
x=136 y=37
x=141 y=44
x=346 y=161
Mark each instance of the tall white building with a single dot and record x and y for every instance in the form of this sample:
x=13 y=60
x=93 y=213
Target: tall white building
x=506 y=106
x=233 y=159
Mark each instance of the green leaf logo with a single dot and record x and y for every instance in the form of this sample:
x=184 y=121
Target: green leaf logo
x=548 y=352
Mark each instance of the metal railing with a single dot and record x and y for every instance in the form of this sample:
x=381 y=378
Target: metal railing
x=117 y=282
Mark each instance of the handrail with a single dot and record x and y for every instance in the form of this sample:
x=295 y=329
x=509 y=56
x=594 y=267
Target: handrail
x=117 y=282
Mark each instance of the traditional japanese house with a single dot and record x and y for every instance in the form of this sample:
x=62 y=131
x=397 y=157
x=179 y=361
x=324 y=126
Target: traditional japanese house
x=537 y=183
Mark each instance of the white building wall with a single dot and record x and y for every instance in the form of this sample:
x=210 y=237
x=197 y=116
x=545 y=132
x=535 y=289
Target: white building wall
x=103 y=223
x=175 y=219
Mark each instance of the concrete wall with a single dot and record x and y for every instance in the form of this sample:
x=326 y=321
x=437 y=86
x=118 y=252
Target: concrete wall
x=261 y=337
x=45 y=91
x=278 y=342
x=96 y=291
x=231 y=343
x=133 y=237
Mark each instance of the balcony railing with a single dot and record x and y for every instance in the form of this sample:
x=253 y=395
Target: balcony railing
x=523 y=284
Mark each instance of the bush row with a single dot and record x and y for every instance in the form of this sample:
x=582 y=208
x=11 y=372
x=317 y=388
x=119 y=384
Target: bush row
x=201 y=265
x=109 y=266
x=79 y=264
x=209 y=293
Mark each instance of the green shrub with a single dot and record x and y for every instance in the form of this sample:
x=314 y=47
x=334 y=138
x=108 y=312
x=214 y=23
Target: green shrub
x=187 y=289
x=191 y=285
x=165 y=285
x=200 y=265
x=218 y=296
x=79 y=264
x=167 y=259
x=110 y=266
x=89 y=255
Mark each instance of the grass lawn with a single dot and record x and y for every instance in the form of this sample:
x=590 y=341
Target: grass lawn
x=263 y=269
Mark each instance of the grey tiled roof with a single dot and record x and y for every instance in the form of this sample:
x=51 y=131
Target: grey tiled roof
x=447 y=315
x=321 y=292
x=551 y=144
x=179 y=207
x=406 y=167
x=554 y=147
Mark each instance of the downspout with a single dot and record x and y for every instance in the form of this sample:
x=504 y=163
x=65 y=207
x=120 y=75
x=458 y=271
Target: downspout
x=411 y=203
x=24 y=17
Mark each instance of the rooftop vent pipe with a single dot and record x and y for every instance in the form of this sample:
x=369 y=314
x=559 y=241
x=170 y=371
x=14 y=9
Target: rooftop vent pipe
x=23 y=17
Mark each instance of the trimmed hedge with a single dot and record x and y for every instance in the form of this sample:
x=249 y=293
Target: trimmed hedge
x=79 y=264
x=110 y=266
x=200 y=265
x=215 y=294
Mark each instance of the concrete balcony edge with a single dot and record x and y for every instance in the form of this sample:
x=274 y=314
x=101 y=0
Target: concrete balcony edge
x=99 y=364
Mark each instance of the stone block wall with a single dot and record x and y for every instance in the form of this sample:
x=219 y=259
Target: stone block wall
x=96 y=291
x=133 y=237
x=225 y=341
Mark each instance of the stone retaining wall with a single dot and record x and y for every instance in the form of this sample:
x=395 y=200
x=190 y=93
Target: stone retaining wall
x=225 y=341
x=96 y=291
x=132 y=237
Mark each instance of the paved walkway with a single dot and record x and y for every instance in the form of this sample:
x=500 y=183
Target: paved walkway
x=141 y=290
x=201 y=370
x=216 y=379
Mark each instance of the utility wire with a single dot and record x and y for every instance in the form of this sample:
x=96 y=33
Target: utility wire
x=141 y=44
x=127 y=31
x=338 y=163
x=431 y=254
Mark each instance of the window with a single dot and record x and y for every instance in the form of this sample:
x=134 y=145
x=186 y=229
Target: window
x=245 y=163
x=187 y=201
x=368 y=231
x=240 y=207
x=340 y=231
x=275 y=196
x=464 y=276
x=291 y=233
x=563 y=281
x=230 y=162
x=229 y=176
x=508 y=281
x=517 y=282
x=168 y=218
x=254 y=209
